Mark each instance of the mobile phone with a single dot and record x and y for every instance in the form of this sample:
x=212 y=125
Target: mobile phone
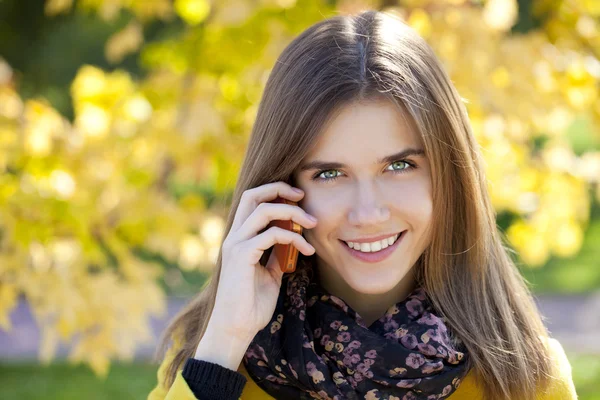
x=287 y=254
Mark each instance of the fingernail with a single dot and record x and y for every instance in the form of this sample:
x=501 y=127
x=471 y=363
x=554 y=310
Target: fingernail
x=297 y=190
x=311 y=218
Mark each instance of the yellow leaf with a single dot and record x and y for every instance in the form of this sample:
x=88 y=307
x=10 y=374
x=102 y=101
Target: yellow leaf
x=99 y=364
x=501 y=77
x=500 y=14
x=568 y=239
x=48 y=344
x=66 y=326
x=192 y=11
x=192 y=252
x=421 y=22
x=8 y=301
x=124 y=42
x=55 y=7
x=11 y=105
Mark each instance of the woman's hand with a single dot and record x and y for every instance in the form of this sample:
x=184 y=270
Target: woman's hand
x=247 y=291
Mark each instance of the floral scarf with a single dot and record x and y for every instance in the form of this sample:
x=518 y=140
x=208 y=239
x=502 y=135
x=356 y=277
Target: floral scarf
x=317 y=347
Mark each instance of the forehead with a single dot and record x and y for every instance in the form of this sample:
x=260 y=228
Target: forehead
x=367 y=130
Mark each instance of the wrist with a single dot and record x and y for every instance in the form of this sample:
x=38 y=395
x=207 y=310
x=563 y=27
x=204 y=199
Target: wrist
x=220 y=326
x=218 y=347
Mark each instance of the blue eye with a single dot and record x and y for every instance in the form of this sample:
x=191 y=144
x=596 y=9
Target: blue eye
x=404 y=166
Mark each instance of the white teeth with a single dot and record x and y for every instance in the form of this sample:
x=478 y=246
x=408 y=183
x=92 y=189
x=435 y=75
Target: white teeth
x=374 y=246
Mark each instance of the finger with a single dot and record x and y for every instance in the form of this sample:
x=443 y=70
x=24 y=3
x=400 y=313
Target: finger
x=251 y=198
x=267 y=212
x=275 y=235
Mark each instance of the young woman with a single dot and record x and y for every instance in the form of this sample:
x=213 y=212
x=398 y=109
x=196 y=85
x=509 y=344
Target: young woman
x=403 y=288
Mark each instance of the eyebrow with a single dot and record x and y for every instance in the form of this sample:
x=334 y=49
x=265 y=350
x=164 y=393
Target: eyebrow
x=326 y=165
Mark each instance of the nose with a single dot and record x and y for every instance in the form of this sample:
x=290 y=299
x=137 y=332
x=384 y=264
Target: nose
x=368 y=209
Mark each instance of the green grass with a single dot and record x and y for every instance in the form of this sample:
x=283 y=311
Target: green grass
x=579 y=274
x=66 y=382
x=586 y=375
x=135 y=381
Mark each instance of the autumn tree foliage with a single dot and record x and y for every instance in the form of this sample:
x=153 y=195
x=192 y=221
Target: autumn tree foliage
x=91 y=205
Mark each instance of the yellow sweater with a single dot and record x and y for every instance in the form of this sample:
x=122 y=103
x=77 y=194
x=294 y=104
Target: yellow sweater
x=561 y=389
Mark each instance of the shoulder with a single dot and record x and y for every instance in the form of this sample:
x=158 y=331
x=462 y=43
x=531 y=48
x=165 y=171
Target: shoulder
x=252 y=391
x=179 y=389
x=560 y=388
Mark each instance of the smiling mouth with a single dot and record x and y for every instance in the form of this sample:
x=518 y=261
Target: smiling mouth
x=373 y=247
x=373 y=255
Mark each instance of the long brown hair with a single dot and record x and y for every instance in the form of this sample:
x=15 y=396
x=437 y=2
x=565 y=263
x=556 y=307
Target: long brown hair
x=466 y=270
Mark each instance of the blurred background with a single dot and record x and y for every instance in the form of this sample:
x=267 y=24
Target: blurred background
x=123 y=124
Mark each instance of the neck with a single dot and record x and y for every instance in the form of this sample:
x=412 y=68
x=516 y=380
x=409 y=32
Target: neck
x=370 y=307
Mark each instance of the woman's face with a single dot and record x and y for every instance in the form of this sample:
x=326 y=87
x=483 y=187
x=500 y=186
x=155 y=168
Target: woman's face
x=370 y=193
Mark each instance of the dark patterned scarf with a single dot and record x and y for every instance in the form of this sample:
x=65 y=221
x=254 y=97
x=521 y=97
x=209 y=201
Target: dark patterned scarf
x=317 y=347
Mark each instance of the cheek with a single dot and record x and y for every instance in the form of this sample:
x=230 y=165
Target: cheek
x=326 y=208
x=415 y=203
x=320 y=204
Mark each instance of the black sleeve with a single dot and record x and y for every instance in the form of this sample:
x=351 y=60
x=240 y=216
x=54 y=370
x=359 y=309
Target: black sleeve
x=209 y=381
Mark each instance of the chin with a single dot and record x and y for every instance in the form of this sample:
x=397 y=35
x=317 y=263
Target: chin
x=374 y=283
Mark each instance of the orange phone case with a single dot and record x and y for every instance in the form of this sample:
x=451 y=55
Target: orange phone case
x=286 y=254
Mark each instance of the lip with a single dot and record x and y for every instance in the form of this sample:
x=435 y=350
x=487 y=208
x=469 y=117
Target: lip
x=371 y=239
x=377 y=256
